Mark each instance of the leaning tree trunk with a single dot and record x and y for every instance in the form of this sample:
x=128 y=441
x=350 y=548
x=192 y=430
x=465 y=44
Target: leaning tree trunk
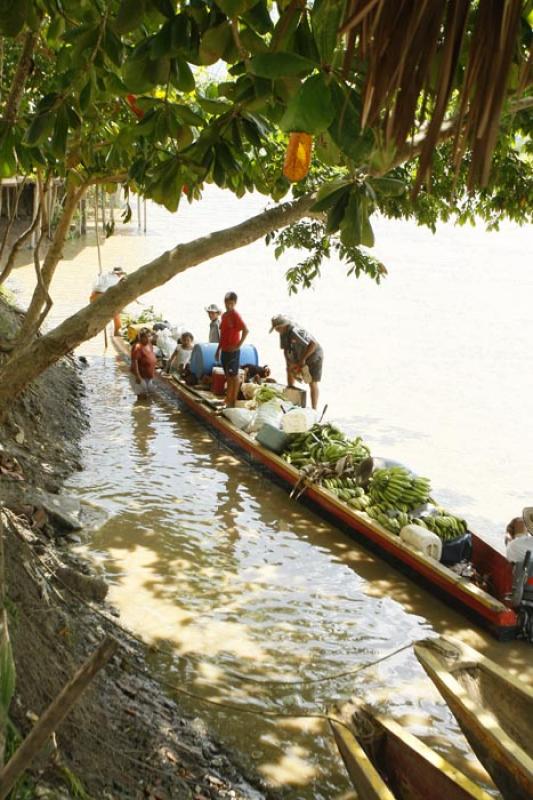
x=32 y=358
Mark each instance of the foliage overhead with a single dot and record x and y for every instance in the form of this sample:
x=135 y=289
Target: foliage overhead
x=166 y=96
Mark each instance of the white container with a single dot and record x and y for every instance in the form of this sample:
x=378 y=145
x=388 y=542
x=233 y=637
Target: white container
x=423 y=540
x=298 y=420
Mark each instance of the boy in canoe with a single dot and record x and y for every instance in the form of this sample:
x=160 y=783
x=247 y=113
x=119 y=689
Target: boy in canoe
x=214 y=312
x=233 y=332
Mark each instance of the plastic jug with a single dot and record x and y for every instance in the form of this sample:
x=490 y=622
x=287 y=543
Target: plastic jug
x=298 y=420
x=423 y=540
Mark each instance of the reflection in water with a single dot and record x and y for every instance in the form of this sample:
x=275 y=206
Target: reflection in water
x=243 y=589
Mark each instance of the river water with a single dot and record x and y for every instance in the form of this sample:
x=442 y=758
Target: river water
x=241 y=588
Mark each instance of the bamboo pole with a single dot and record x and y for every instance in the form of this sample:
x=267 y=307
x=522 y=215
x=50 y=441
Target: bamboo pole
x=98 y=249
x=54 y=716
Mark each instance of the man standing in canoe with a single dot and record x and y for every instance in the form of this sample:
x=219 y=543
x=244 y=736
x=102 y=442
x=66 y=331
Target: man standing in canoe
x=214 y=312
x=303 y=354
x=233 y=332
x=143 y=361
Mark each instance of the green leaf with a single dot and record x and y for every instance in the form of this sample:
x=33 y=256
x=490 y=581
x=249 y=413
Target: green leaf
x=165 y=7
x=112 y=47
x=234 y=8
x=312 y=109
x=350 y=225
x=130 y=15
x=252 y=42
x=86 y=96
x=213 y=106
x=181 y=75
x=336 y=213
x=7 y=669
x=327 y=151
x=59 y=139
x=215 y=42
x=188 y=116
x=259 y=18
x=13 y=14
x=389 y=187
x=326 y=17
x=280 y=65
x=39 y=129
x=161 y=44
x=345 y=129
x=304 y=43
x=329 y=193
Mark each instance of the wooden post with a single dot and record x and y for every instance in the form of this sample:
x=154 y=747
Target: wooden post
x=139 y=212
x=98 y=248
x=102 y=200
x=144 y=212
x=83 y=215
x=54 y=716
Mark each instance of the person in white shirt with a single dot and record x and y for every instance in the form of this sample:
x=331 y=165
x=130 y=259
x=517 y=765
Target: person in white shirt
x=518 y=537
x=104 y=282
x=182 y=354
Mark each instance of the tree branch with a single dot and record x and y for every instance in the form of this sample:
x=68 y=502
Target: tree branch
x=10 y=263
x=31 y=359
x=23 y=70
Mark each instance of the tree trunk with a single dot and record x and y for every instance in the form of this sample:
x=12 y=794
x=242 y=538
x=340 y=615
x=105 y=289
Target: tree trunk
x=24 y=67
x=31 y=359
x=53 y=256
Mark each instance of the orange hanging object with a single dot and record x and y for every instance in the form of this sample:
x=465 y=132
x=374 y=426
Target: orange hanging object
x=131 y=100
x=298 y=156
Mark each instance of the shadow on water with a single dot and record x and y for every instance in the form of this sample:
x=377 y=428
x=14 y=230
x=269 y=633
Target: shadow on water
x=240 y=588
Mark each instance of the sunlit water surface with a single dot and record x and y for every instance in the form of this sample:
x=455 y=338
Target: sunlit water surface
x=240 y=586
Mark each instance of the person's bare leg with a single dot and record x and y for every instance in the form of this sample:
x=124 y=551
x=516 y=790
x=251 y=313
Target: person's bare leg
x=231 y=391
x=313 y=388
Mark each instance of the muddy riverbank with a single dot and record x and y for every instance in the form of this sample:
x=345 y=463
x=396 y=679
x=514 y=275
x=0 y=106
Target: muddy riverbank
x=125 y=738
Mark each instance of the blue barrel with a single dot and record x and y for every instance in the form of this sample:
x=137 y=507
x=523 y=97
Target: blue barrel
x=203 y=358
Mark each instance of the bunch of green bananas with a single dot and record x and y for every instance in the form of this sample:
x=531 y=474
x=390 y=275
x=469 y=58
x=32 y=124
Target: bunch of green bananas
x=445 y=525
x=345 y=488
x=323 y=444
x=396 y=487
x=381 y=514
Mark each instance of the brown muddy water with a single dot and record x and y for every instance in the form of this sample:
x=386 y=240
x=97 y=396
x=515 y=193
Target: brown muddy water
x=243 y=588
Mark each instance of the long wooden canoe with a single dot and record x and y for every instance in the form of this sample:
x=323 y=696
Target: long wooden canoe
x=386 y=762
x=493 y=709
x=486 y=609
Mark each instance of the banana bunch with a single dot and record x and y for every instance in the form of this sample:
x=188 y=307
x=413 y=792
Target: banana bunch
x=398 y=488
x=384 y=517
x=324 y=444
x=346 y=488
x=445 y=525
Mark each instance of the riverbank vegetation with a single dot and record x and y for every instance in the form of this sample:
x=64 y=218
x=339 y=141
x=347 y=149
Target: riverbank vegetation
x=424 y=115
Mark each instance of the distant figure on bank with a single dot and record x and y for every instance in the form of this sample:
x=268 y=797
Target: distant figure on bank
x=518 y=537
x=182 y=354
x=104 y=282
x=304 y=356
x=214 y=312
x=143 y=362
x=233 y=332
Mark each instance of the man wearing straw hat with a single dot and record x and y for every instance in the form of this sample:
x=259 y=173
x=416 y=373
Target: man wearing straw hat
x=518 y=537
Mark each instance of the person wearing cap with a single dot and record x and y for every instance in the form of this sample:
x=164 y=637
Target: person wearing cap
x=233 y=332
x=214 y=312
x=303 y=354
x=105 y=281
x=518 y=537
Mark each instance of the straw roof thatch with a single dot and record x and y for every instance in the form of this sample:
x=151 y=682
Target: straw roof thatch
x=425 y=58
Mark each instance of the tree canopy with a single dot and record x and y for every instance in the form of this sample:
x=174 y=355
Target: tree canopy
x=404 y=103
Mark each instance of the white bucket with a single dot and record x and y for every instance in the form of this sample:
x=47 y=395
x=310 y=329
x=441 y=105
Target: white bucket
x=298 y=420
x=423 y=540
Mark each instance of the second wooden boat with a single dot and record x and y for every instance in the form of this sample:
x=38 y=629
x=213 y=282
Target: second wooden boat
x=493 y=709
x=386 y=762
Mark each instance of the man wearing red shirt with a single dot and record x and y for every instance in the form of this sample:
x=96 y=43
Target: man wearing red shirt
x=233 y=332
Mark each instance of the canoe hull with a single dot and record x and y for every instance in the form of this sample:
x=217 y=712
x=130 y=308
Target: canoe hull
x=412 y=770
x=499 y=732
x=481 y=607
